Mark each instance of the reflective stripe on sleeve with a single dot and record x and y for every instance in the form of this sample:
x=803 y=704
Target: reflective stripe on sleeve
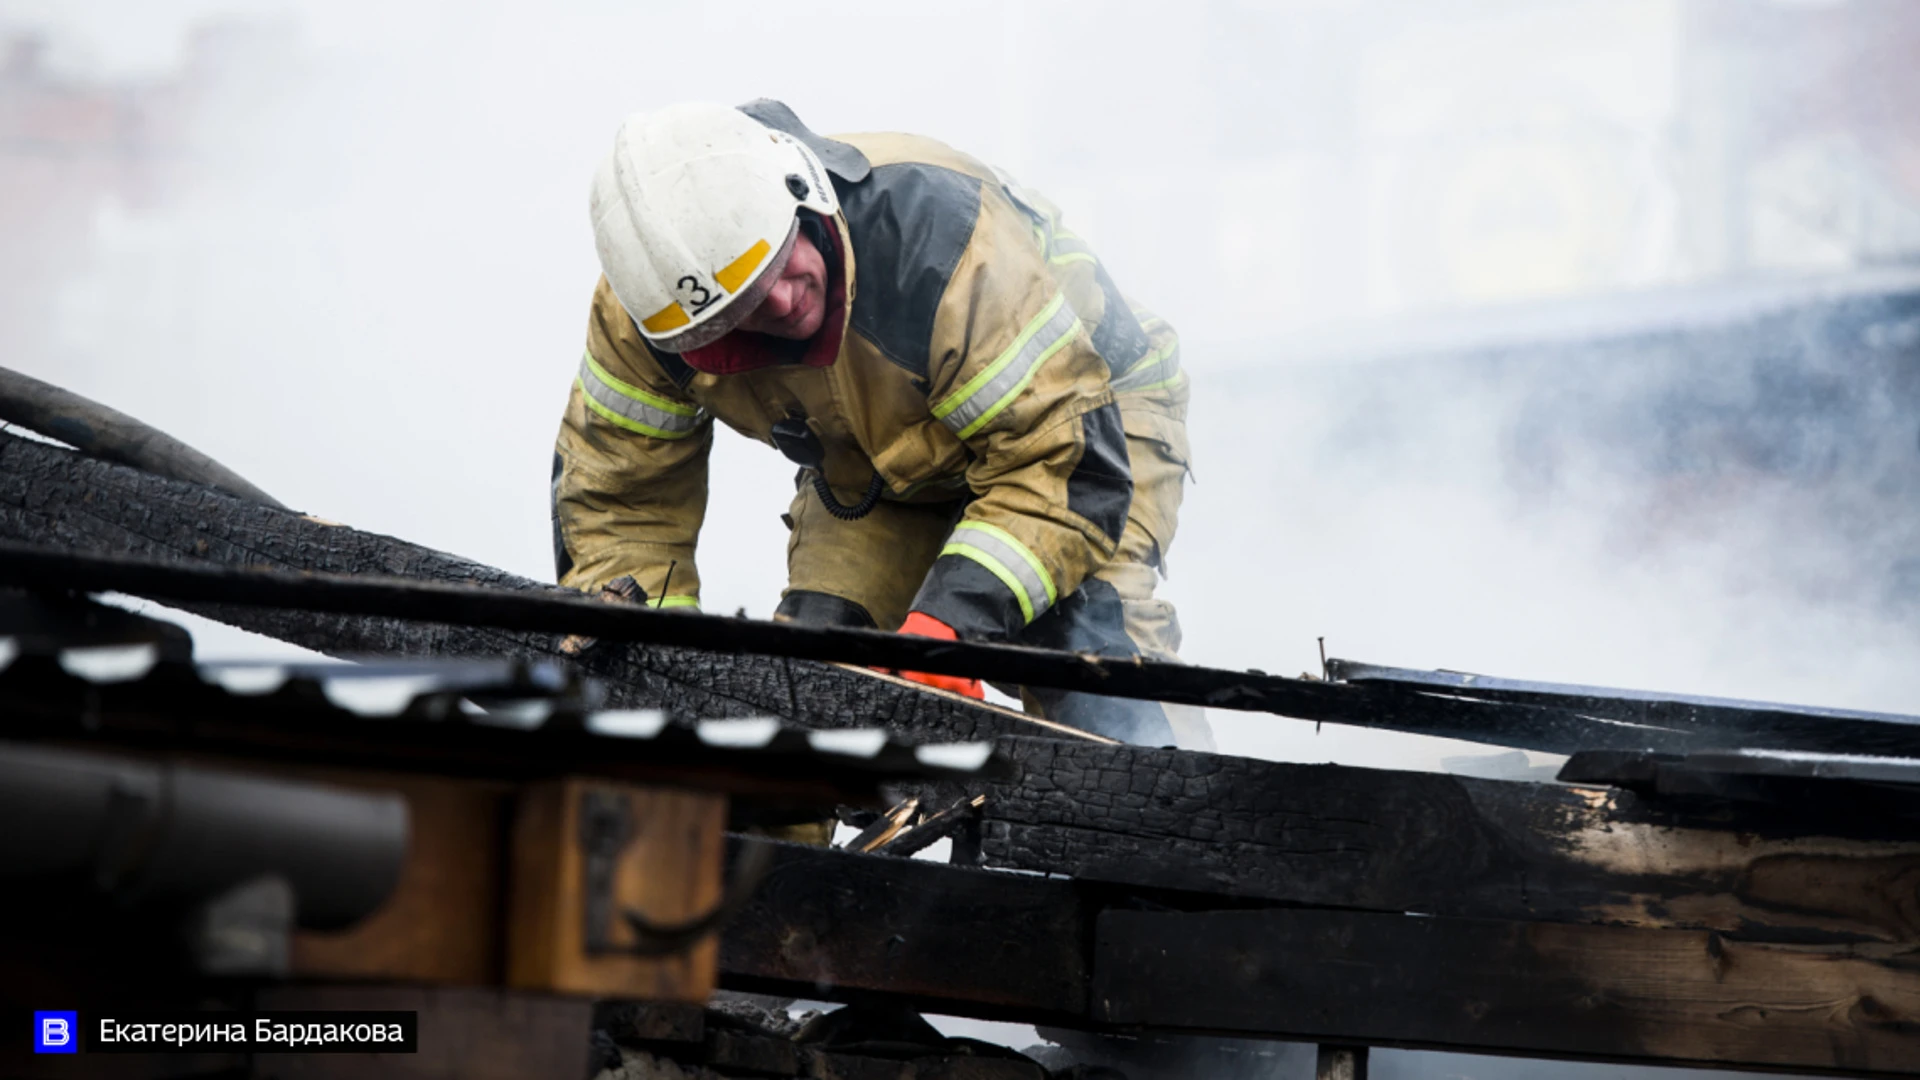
x=677 y=600
x=1067 y=248
x=630 y=407
x=988 y=393
x=1154 y=370
x=1015 y=564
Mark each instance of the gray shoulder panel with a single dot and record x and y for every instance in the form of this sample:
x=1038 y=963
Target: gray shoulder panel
x=1119 y=339
x=909 y=224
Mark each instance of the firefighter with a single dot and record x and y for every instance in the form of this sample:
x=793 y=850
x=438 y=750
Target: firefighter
x=992 y=439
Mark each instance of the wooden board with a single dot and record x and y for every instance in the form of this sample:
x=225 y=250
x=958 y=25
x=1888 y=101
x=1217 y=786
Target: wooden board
x=1397 y=841
x=1596 y=992
x=53 y=496
x=827 y=923
x=669 y=872
x=443 y=922
x=54 y=499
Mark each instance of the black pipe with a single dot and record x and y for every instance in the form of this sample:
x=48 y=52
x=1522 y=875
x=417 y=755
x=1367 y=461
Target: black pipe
x=168 y=836
x=111 y=435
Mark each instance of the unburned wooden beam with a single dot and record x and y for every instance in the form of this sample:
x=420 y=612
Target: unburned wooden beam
x=442 y=924
x=659 y=855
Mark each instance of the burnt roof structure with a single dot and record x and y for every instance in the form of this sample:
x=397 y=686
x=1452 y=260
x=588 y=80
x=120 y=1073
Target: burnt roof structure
x=1719 y=884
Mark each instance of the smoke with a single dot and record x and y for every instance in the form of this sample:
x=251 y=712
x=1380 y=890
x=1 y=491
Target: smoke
x=1712 y=498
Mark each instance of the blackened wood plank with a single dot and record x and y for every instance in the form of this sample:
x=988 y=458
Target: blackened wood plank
x=57 y=498
x=1707 y=722
x=1650 y=996
x=1850 y=786
x=828 y=923
x=144 y=515
x=1397 y=841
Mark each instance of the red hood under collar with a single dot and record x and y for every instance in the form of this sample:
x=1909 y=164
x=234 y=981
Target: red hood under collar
x=741 y=351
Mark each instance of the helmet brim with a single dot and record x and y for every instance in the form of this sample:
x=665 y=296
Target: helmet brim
x=734 y=310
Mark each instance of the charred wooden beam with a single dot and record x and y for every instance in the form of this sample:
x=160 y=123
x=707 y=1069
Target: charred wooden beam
x=1861 y=787
x=1606 y=993
x=352 y=614
x=107 y=433
x=836 y=924
x=54 y=497
x=581 y=619
x=1666 y=720
x=1395 y=841
x=499 y=720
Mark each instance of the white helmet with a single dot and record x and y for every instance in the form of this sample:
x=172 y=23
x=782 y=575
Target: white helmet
x=694 y=215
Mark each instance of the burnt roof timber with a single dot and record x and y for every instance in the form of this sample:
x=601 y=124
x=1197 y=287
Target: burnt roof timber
x=1593 y=993
x=90 y=508
x=1385 y=840
x=1692 y=719
x=55 y=497
x=536 y=722
x=1040 y=950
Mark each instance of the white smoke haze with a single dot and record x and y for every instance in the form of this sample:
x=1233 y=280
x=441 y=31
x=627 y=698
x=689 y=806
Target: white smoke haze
x=346 y=253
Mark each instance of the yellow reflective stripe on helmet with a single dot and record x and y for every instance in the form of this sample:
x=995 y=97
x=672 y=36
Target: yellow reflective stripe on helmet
x=1153 y=371
x=625 y=405
x=739 y=270
x=671 y=317
x=984 y=396
x=1006 y=558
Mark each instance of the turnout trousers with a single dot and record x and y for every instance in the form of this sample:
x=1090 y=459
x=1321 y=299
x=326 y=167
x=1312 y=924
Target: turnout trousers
x=866 y=572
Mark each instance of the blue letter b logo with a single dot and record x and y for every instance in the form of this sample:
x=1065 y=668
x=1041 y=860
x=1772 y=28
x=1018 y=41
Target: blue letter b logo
x=56 y=1032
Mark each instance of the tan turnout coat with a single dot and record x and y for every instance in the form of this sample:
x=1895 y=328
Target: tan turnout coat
x=986 y=356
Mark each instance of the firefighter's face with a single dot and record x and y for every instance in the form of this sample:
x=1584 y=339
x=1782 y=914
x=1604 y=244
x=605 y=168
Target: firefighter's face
x=796 y=305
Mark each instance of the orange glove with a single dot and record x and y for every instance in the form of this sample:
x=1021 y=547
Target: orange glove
x=921 y=624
